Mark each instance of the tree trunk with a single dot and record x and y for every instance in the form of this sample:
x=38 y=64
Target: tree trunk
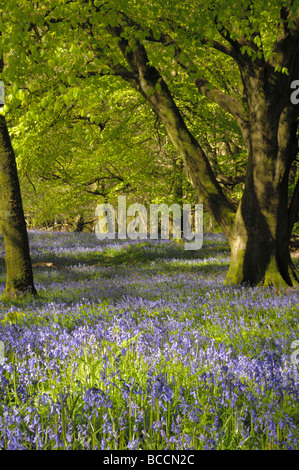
x=260 y=240
x=259 y=233
x=78 y=224
x=17 y=257
x=259 y=254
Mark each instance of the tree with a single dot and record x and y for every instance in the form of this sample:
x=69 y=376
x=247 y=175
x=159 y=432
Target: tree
x=267 y=58
x=19 y=279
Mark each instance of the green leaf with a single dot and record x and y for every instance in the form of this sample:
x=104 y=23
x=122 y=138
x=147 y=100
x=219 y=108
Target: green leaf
x=71 y=80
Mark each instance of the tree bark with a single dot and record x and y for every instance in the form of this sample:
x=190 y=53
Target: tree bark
x=261 y=235
x=259 y=254
x=19 y=279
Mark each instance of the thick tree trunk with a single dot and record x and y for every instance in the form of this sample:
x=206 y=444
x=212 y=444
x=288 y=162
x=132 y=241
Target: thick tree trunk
x=17 y=257
x=260 y=239
x=258 y=257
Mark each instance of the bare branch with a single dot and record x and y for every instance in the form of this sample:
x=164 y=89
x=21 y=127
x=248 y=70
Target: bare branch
x=230 y=180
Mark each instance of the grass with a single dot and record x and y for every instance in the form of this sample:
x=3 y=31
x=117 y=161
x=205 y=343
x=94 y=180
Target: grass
x=140 y=346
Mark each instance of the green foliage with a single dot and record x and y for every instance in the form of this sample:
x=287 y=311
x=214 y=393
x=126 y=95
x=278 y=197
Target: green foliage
x=12 y=317
x=77 y=118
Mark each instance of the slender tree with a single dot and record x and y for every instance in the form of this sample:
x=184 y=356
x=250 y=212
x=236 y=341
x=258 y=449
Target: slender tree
x=19 y=279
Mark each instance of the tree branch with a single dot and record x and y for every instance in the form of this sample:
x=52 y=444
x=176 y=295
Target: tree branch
x=230 y=180
x=227 y=102
x=155 y=91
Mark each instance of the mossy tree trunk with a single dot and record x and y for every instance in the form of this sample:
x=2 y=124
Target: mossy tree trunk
x=19 y=279
x=264 y=220
x=259 y=230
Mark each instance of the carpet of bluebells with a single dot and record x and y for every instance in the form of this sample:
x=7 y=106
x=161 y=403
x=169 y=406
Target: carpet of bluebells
x=141 y=345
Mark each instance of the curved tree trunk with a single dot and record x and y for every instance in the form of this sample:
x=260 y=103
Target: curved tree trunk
x=259 y=233
x=17 y=257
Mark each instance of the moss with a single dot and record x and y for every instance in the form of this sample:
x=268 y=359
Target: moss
x=294 y=275
x=273 y=277
x=235 y=272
